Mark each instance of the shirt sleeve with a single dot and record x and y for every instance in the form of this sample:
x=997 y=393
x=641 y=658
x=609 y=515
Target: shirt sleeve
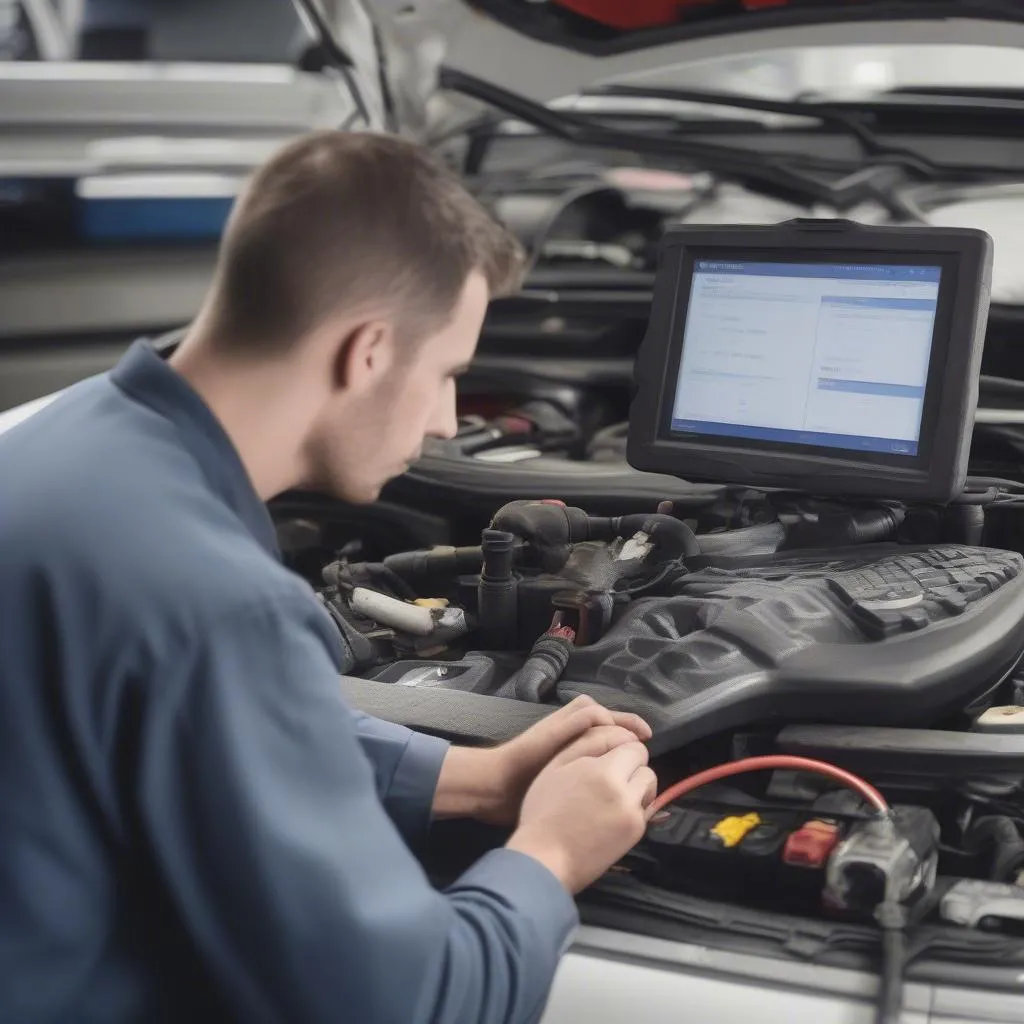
x=406 y=767
x=262 y=813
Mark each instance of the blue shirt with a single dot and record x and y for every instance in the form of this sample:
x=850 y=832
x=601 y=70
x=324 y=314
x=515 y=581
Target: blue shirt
x=193 y=824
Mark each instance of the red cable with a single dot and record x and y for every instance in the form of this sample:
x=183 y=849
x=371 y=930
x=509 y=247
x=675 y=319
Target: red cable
x=755 y=764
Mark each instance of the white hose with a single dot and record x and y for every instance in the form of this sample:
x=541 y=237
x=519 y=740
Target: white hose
x=389 y=611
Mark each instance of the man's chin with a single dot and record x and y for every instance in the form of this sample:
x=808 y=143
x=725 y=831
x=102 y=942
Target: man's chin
x=369 y=493
x=348 y=494
x=354 y=492
x=365 y=496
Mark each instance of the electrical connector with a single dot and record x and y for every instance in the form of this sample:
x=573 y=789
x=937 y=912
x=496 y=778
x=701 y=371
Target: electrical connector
x=811 y=845
x=731 y=831
x=889 y=859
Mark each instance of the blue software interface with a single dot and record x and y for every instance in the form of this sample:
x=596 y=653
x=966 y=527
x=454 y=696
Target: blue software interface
x=823 y=354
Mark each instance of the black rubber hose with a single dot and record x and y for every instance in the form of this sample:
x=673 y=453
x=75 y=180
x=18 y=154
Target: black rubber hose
x=1000 y=834
x=497 y=599
x=549 y=528
x=894 y=955
x=877 y=525
x=966 y=521
x=438 y=564
x=552 y=527
x=869 y=526
x=536 y=680
x=672 y=537
x=547 y=524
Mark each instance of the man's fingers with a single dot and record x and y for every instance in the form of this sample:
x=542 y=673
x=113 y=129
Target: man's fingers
x=597 y=714
x=582 y=701
x=625 y=759
x=572 y=721
x=594 y=743
x=643 y=786
x=634 y=723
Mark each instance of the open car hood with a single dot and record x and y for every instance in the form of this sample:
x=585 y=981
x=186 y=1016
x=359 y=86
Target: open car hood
x=558 y=48
x=605 y=27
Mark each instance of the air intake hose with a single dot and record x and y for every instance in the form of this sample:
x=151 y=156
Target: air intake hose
x=672 y=537
x=423 y=568
x=868 y=526
x=551 y=528
x=536 y=680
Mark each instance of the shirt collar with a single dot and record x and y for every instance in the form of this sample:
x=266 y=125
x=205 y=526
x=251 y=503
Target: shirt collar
x=149 y=379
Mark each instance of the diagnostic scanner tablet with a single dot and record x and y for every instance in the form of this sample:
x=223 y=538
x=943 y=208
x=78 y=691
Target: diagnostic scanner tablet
x=821 y=356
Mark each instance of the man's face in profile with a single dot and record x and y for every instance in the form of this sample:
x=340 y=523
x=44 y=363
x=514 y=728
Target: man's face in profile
x=414 y=399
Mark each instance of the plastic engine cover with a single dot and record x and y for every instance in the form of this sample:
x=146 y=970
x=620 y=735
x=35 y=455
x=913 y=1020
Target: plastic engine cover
x=738 y=646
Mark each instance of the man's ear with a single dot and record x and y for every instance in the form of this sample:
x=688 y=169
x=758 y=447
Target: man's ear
x=365 y=353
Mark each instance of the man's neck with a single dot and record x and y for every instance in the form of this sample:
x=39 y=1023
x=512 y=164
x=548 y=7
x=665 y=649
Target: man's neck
x=259 y=407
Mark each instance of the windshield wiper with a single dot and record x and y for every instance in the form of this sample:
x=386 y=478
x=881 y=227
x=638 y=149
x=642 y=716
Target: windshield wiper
x=766 y=174
x=821 y=112
x=947 y=109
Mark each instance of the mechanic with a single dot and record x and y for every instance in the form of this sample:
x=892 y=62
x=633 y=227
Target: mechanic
x=194 y=825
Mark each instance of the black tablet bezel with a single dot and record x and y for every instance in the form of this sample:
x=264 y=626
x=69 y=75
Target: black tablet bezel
x=936 y=473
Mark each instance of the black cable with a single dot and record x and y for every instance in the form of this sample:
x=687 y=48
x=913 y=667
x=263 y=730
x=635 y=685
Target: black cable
x=390 y=110
x=583 y=131
x=999 y=482
x=987 y=497
x=893 y=920
x=310 y=14
x=649 y=584
x=870 y=143
x=1005 y=384
x=890 y=1002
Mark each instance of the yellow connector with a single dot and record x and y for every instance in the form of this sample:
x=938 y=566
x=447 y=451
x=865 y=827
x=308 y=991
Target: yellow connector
x=731 y=831
x=431 y=602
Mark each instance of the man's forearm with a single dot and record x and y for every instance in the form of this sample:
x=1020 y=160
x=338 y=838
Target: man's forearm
x=471 y=785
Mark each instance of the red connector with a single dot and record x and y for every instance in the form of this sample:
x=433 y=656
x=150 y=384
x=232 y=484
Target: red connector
x=811 y=845
x=563 y=633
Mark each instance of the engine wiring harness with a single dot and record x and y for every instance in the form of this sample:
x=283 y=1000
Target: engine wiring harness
x=884 y=865
x=549 y=582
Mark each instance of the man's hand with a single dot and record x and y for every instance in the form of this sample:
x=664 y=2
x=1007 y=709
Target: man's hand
x=490 y=784
x=583 y=813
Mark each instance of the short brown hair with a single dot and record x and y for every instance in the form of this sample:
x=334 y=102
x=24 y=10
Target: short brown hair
x=338 y=220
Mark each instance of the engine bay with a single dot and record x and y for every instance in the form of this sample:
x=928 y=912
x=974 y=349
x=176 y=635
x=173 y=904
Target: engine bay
x=880 y=642
x=831 y=666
